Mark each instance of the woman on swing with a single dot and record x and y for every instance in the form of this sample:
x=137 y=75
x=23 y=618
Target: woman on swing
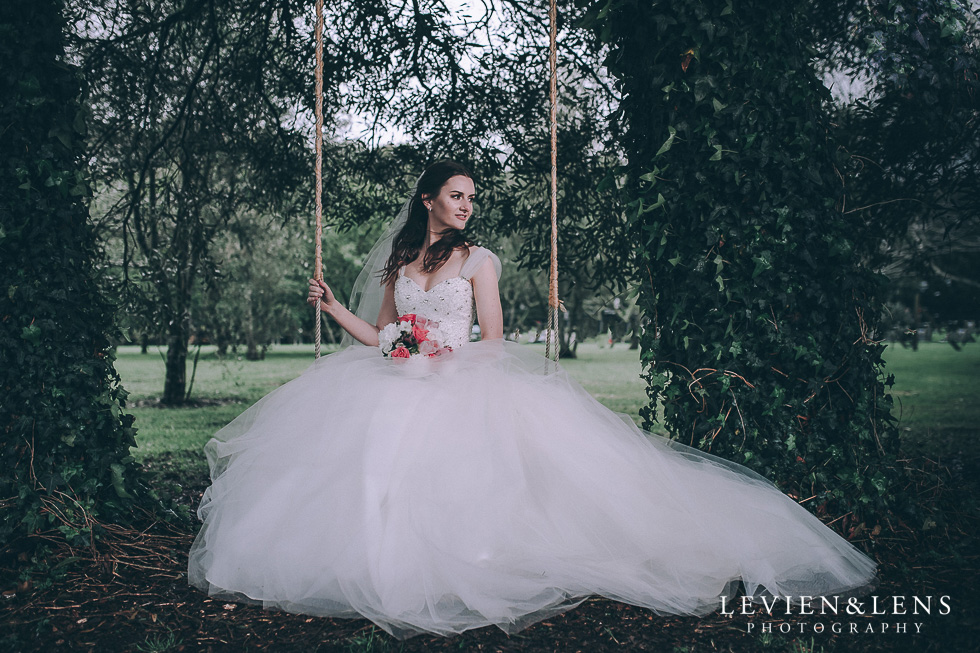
x=435 y=485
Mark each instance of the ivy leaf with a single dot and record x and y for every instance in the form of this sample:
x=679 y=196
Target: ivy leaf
x=118 y=482
x=668 y=143
x=32 y=334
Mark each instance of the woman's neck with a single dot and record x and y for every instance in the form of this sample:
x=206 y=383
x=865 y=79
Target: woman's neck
x=432 y=236
x=430 y=240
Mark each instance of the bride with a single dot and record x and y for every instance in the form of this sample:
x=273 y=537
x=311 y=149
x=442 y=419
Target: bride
x=435 y=485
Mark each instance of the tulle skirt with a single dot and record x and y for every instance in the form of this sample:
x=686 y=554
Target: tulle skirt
x=486 y=488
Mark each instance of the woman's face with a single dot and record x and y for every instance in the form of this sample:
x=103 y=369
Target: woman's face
x=453 y=206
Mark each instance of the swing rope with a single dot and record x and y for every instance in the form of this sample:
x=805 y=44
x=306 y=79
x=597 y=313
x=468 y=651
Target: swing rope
x=318 y=145
x=553 y=302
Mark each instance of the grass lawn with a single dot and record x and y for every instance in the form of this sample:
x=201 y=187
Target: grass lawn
x=223 y=388
x=937 y=398
x=936 y=392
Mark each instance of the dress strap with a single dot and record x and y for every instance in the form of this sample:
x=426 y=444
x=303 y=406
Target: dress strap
x=475 y=260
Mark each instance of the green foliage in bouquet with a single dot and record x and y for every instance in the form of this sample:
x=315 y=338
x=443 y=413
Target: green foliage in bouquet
x=761 y=344
x=64 y=439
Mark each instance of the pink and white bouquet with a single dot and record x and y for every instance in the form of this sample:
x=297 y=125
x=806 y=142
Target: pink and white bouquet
x=411 y=336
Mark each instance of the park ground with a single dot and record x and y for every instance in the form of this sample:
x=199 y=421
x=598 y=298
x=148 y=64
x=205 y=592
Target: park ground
x=129 y=592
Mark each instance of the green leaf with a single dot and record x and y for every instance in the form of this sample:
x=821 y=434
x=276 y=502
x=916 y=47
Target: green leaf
x=32 y=334
x=118 y=481
x=62 y=135
x=668 y=143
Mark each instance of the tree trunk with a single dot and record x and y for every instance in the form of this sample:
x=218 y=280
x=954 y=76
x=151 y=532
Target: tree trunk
x=175 y=384
x=251 y=339
x=327 y=329
x=252 y=351
x=566 y=328
x=916 y=322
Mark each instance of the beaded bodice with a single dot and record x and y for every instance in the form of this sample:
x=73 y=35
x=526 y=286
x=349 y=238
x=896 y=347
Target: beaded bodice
x=450 y=303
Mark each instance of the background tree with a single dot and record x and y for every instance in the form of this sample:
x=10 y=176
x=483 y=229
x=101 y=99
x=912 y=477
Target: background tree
x=909 y=120
x=264 y=261
x=64 y=440
x=762 y=344
x=194 y=109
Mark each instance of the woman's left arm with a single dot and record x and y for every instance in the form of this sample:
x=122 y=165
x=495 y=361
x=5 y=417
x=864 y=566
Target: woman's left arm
x=487 y=296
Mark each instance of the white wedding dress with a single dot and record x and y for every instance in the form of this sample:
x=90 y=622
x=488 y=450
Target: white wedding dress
x=485 y=488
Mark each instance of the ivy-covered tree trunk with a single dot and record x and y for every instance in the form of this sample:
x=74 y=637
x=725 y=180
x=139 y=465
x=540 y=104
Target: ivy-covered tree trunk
x=761 y=344
x=64 y=442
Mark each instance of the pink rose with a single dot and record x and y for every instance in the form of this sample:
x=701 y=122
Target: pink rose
x=419 y=333
x=409 y=317
x=400 y=352
x=428 y=348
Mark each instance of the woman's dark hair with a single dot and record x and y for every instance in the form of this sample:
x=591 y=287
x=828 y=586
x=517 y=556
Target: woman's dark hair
x=408 y=243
